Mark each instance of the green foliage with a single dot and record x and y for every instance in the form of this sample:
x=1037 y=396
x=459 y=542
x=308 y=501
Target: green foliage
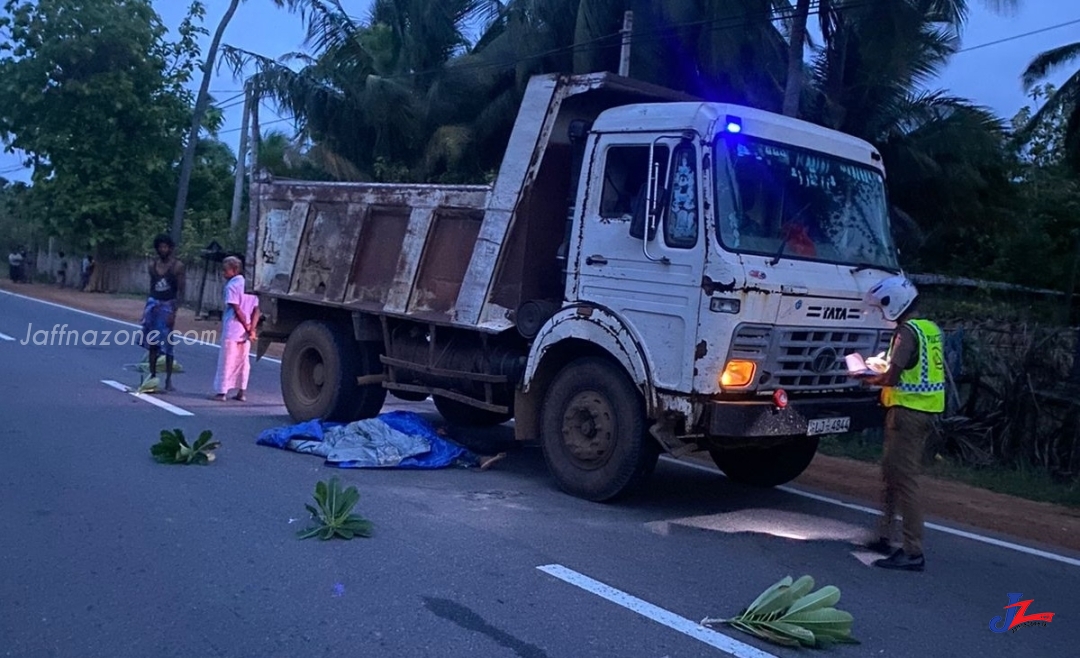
x=149 y=385
x=789 y=613
x=144 y=365
x=98 y=98
x=173 y=448
x=103 y=135
x=334 y=516
x=1062 y=105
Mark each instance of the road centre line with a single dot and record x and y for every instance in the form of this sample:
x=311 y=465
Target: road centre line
x=869 y=510
x=107 y=318
x=6 y=337
x=701 y=467
x=172 y=408
x=661 y=616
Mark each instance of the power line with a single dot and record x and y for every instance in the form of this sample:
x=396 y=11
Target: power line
x=1018 y=36
x=261 y=124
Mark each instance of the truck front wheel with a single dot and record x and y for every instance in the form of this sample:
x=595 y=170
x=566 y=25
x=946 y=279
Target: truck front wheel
x=319 y=371
x=767 y=467
x=593 y=431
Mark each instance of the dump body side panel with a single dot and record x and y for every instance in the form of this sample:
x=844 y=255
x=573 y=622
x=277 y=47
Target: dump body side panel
x=452 y=255
x=389 y=249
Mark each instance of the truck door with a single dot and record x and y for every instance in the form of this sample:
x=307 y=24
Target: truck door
x=646 y=268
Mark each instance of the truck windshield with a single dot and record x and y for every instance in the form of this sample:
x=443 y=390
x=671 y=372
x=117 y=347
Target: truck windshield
x=783 y=201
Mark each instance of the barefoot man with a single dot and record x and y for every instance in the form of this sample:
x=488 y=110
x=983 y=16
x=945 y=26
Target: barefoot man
x=159 y=316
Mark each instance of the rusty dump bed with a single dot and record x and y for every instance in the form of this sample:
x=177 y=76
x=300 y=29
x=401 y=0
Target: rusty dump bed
x=452 y=255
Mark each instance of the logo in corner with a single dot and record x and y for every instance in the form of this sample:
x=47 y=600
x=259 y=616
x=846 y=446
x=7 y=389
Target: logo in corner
x=1016 y=616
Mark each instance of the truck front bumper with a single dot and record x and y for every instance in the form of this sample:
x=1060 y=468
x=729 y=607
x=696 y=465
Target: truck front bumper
x=748 y=419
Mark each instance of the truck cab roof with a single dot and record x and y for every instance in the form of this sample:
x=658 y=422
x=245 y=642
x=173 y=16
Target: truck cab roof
x=708 y=119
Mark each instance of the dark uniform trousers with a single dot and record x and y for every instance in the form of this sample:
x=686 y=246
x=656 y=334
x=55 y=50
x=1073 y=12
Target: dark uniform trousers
x=906 y=432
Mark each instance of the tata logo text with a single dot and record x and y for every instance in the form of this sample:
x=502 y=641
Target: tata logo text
x=1016 y=615
x=836 y=313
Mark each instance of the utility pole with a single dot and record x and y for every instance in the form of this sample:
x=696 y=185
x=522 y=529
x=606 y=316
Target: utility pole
x=241 y=159
x=256 y=135
x=624 y=53
x=201 y=101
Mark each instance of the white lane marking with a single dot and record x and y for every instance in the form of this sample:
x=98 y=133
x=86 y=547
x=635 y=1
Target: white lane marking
x=869 y=510
x=183 y=341
x=6 y=337
x=148 y=398
x=667 y=618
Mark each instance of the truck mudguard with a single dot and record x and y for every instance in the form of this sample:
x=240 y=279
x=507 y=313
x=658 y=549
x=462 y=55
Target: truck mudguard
x=599 y=327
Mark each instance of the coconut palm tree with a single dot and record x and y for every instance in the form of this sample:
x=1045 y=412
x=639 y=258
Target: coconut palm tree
x=950 y=14
x=945 y=156
x=361 y=95
x=202 y=103
x=1065 y=99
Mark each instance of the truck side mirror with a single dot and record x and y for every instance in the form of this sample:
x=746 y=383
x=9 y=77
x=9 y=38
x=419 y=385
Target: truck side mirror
x=637 y=216
x=640 y=215
x=659 y=209
x=648 y=205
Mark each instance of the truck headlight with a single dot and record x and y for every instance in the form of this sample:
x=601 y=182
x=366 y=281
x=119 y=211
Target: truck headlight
x=738 y=373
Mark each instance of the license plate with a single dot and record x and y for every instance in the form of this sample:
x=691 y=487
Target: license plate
x=828 y=426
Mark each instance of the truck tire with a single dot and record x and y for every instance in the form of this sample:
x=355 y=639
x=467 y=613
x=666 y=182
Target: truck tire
x=463 y=415
x=767 y=467
x=593 y=431
x=319 y=371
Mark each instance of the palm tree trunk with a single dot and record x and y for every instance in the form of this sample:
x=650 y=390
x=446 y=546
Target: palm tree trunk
x=793 y=88
x=196 y=123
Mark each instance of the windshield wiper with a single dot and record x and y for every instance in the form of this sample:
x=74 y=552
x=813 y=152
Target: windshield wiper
x=859 y=267
x=779 y=252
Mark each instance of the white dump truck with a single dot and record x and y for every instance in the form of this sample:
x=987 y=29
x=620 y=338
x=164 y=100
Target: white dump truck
x=648 y=273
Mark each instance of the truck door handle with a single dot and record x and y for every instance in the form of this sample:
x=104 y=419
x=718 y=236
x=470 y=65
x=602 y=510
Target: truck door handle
x=596 y=259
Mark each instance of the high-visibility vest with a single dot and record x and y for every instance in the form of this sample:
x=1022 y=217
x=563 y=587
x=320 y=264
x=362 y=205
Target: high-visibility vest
x=921 y=387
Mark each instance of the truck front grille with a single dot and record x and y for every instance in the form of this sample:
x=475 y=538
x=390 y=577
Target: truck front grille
x=805 y=359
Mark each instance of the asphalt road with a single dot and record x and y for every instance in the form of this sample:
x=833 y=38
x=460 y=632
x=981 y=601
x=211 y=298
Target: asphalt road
x=105 y=553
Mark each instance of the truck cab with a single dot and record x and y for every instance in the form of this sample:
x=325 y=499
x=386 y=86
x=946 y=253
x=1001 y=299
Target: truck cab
x=730 y=250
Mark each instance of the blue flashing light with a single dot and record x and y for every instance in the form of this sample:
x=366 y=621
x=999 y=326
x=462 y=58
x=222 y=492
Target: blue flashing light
x=734 y=124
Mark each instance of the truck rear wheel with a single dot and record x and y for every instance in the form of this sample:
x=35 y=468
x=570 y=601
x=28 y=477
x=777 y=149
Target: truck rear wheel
x=319 y=371
x=459 y=413
x=593 y=431
x=767 y=467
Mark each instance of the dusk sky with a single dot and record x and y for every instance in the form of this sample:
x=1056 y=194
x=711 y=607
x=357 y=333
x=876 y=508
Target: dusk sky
x=988 y=75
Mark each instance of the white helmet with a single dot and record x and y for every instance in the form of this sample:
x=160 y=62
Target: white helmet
x=893 y=296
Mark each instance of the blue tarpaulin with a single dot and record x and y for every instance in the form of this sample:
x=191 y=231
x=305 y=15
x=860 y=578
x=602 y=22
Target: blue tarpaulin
x=398 y=439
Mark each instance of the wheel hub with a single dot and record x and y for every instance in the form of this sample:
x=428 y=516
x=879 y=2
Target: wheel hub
x=588 y=429
x=312 y=375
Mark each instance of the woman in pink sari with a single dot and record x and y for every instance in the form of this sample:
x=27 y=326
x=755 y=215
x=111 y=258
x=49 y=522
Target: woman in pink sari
x=238 y=324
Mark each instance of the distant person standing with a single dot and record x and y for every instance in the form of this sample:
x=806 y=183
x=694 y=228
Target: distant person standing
x=61 y=274
x=238 y=323
x=15 y=266
x=159 y=317
x=85 y=271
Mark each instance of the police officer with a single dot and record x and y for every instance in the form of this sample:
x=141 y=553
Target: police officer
x=913 y=392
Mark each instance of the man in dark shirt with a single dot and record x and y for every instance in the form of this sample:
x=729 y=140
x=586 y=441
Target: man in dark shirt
x=167 y=286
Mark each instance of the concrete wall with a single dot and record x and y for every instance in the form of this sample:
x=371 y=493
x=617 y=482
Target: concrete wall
x=130 y=277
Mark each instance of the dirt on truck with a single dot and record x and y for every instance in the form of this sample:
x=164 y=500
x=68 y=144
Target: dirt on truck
x=648 y=272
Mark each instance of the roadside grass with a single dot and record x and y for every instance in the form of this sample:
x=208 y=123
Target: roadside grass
x=1020 y=482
